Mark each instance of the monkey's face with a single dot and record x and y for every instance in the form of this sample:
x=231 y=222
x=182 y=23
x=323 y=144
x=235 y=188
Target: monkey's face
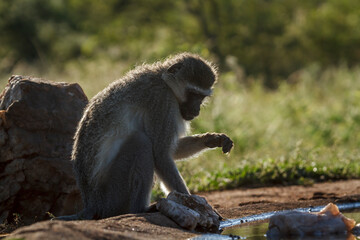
x=191 y=107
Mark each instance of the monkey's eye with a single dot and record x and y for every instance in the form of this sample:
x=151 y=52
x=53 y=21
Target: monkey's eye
x=197 y=95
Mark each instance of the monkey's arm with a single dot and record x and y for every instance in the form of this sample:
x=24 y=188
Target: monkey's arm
x=168 y=173
x=190 y=145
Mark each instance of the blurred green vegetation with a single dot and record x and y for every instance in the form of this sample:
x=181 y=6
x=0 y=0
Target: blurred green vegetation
x=308 y=131
x=267 y=39
x=289 y=89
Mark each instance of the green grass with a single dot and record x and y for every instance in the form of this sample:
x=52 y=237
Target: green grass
x=301 y=133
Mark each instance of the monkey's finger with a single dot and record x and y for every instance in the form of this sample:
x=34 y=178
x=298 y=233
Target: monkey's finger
x=227 y=145
x=213 y=140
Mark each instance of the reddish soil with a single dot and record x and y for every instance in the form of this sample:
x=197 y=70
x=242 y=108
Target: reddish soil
x=230 y=204
x=248 y=201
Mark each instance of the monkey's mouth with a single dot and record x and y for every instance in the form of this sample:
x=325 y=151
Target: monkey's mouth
x=189 y=116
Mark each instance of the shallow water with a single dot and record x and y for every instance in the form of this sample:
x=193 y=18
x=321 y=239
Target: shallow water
x=252 y=231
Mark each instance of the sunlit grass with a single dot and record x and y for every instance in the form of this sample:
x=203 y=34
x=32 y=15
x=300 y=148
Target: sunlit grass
x=308 y=130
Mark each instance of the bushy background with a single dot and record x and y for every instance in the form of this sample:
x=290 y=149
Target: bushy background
x=289 y=89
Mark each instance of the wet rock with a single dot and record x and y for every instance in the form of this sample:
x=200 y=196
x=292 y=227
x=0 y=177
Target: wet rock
x=327 y=222
x=190 y=212
x=38 y=119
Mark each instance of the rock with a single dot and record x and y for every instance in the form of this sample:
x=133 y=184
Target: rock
x=38 y=119
x=327 y=222
x=130 y=226
x=190 y=212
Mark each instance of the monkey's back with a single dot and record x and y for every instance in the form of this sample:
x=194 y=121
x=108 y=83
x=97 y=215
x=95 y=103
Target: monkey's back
x=116 y=112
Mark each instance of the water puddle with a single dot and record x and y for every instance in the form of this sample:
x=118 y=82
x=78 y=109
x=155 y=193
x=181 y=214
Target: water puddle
x=254 y=227
x=263 y=216
x=250 y=231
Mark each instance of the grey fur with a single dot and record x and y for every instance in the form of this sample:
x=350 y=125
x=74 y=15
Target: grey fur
x=131 y=129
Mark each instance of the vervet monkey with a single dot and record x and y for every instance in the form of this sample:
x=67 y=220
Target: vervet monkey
x=135 y=127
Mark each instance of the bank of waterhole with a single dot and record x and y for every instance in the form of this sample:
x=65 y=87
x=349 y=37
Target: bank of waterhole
x=255 y=227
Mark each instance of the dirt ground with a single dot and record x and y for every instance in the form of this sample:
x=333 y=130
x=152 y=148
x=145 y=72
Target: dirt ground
x=247 y=201
x=230 y=204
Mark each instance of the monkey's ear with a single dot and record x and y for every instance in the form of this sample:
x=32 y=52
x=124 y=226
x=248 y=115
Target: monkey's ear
x=175 y=68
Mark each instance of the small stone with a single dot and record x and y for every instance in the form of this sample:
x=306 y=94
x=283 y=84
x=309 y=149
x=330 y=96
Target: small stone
x=328 y=221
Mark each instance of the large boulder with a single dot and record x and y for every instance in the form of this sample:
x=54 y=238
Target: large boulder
x=38 y=119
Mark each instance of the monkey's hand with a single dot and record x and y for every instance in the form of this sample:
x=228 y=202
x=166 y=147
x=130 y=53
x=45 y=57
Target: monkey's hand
x=213 y=140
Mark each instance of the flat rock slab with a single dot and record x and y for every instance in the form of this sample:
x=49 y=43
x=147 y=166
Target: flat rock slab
x=130 y=226
x=157 y=226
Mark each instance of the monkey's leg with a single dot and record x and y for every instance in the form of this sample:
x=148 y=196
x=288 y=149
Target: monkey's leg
x=130 y=177
x=142 y=170
x=166 y=170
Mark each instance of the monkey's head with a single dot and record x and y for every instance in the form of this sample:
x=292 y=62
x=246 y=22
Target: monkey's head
x=191 y=79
